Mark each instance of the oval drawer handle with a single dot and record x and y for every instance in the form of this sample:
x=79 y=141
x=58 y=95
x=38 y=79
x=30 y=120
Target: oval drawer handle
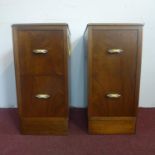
x=113 y=95
x=40 y=51
x=113 y=51
x=42 y=96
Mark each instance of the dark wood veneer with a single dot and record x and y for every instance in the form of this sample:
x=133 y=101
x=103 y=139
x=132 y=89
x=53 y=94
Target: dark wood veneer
x=42 y=74
x=113 y=73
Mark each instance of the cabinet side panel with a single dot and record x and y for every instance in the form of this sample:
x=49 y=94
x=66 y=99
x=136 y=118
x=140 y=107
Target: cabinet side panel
x=89 y=68
x=138 y=67
x=66 y=68
x=17 y=67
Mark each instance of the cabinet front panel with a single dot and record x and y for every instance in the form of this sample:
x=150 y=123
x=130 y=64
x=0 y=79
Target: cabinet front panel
x=41 y=52
x=43 y=96
x=112 y=72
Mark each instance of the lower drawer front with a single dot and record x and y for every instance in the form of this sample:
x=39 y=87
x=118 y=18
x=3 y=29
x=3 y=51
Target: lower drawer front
x=43 y=96
x=112 y=125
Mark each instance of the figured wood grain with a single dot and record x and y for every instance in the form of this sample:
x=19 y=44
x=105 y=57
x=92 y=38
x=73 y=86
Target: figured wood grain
x=111 y=125
x=113 y=73
x=43 y=125
x=42 y=74
x=50 y=63
x=55 y=106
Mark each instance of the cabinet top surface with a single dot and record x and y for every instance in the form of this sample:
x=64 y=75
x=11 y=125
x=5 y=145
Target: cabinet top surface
x=40 y=24
x=115 y=24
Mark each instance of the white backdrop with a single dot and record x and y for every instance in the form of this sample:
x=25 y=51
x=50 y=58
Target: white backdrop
x=77 y=13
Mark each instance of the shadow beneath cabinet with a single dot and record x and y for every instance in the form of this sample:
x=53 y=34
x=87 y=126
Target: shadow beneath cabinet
x=78 y=121
x=9 y=121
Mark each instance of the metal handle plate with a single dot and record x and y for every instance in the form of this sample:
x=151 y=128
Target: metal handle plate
x=113 y=95
x=115 y=51
x=40 y=51
x=42 y=96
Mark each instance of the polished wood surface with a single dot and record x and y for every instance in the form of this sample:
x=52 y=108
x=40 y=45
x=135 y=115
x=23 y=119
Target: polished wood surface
x=49 y=63
x=55 y=105
x=42 y=73
x=43 y=125
x=112 y=125
x=113 y=73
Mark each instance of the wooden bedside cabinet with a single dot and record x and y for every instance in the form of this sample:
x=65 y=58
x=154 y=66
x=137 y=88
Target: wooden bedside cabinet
x=41 y=54
x=113 y=63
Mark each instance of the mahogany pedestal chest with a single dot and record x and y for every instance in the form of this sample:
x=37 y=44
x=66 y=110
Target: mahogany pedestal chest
x=113 y=64
x=41 y=53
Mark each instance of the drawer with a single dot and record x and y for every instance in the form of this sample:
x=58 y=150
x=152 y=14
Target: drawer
x=114 y=60
x=41 y=52
x=43 y=96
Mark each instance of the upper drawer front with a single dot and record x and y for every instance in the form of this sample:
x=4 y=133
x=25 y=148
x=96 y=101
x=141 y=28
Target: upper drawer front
x=41 y=52
x=114 y=54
